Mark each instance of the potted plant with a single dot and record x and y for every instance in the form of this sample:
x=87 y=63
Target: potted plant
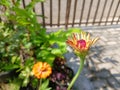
x=31 y=58
x=25 y=45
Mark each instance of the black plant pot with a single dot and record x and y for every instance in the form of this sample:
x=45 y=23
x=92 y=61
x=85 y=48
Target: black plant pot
x=8 y=74
x=59 y=80
x=61 y=75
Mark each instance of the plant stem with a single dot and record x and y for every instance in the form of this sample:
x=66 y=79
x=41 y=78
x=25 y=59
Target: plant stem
x=39 y=86
x=77 y=74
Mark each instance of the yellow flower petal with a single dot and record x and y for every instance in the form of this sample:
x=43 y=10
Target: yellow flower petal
x=94 y=40
x=41 y=70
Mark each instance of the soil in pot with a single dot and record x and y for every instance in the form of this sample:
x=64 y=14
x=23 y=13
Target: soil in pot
x=61 y=75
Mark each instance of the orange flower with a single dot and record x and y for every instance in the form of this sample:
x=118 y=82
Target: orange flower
x=81 y=42
x=41 y=70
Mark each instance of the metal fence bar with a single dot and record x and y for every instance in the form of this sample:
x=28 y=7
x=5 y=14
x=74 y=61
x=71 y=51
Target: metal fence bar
x=83 y=6
x=34 y=7
x=88 y=16
x=103 y=11
x=74 y=13
x=59 y=11
x=107 y=7
x=43 y=13
x=23 y=1
x=67 y=13
x=51 y=13
x=0 y=19
x=13 y=2
x=115 y=11
x=118 y=19
x=78 y=23
x=109 y=12
x=96 y=11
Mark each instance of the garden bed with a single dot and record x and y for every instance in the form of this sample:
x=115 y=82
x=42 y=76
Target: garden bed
x=63 y=72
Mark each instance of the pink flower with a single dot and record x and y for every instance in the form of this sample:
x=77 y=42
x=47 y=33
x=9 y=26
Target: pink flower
x=81 y=42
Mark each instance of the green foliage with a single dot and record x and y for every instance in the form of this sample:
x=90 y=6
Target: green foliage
x=44 y=85
x=14 y=84
x=23 y=41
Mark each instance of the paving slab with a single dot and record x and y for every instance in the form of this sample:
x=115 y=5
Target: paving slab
x=103 y=62
x=108 y=58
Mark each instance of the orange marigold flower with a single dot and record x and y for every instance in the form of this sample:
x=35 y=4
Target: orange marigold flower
x=81 y=42
x=41 y=70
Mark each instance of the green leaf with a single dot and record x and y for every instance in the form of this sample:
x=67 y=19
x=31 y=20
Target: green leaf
x=29 y=62
x=25 y=73
x=61 y=36
x=15 y=84
x=25 y=82
x=9 y=67
x=43 y=53
x=46 y=56
x=28 y=45
x=56 y=51
x=34 y=82
x=72 y=30
x=14 y=59
x=39 y=0
x=44 y=85
x=21 y=12
x=5 y=2
x=49 y=59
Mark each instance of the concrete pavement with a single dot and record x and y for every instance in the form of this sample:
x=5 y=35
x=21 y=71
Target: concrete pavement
x=103 y=62
x=102 y=67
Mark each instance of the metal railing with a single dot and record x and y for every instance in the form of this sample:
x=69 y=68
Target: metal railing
x=71 y=13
